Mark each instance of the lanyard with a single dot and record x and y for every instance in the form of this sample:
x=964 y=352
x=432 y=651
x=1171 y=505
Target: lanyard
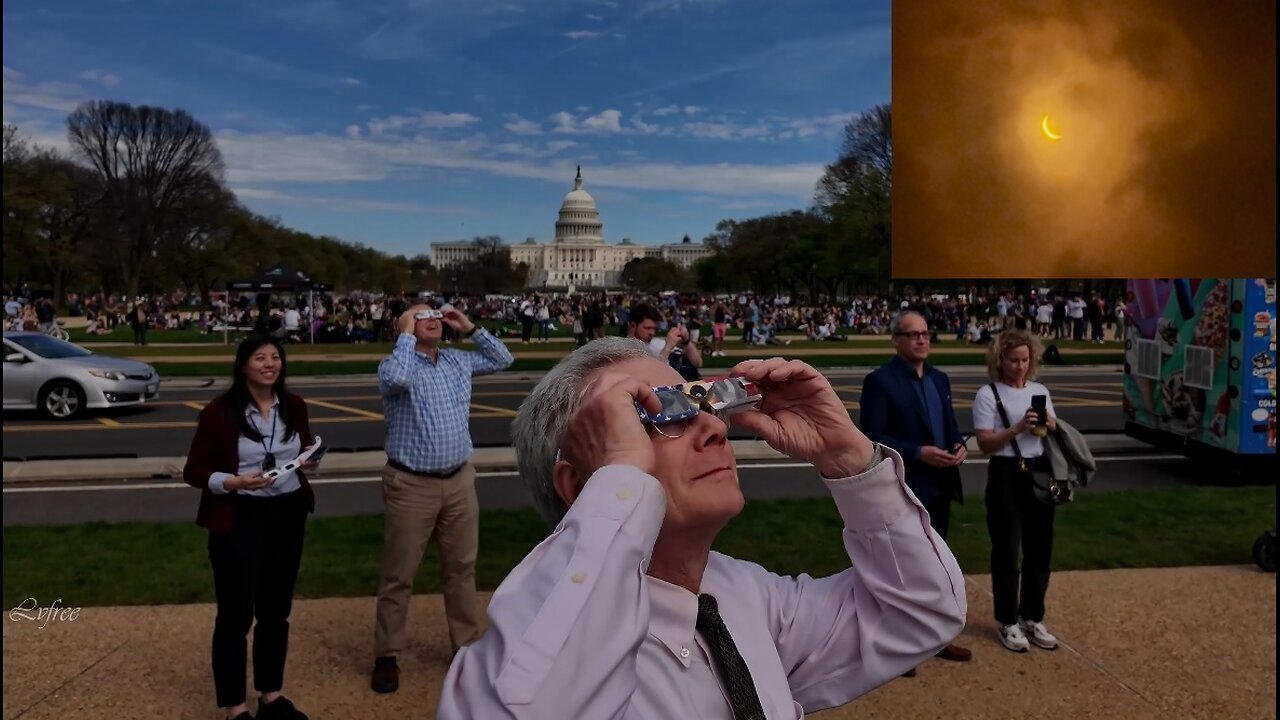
x=274 y=416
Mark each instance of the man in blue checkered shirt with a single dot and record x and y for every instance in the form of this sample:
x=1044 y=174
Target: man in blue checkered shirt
x=429 y=483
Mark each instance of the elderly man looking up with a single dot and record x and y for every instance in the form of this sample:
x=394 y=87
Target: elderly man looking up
x=624 y=611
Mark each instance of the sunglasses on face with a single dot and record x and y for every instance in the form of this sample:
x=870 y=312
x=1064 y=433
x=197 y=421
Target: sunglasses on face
x=428 y=315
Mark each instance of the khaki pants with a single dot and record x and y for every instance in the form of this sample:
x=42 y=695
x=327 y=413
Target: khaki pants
x=417 y=506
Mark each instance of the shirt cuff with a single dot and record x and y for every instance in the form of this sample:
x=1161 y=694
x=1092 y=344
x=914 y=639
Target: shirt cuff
x=875 y=498
x=217 y=482
x=627 y=494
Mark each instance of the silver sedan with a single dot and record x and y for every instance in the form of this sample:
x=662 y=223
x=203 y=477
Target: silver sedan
x=62 y=380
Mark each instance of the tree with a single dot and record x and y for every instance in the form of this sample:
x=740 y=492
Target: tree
x=866 y=153
x=711 y=273
x=489 y=272
x=152 y=162
x=854 y=195
x=654 y=275
x=68 y=217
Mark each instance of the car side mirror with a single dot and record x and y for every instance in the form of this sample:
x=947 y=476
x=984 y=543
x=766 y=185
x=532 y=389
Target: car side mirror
x=15 y=358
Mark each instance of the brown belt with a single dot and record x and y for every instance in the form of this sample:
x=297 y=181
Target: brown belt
x=437 y=475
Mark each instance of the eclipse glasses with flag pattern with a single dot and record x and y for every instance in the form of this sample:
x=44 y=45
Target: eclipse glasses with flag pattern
x=720 y=396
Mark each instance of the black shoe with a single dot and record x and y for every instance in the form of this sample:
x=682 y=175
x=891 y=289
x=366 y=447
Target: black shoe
x=279 y=709
x=386 y=675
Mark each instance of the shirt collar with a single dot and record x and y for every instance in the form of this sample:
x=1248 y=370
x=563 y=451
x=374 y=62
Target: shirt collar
x=906 y=368
x=673 y=617
x=252 y=407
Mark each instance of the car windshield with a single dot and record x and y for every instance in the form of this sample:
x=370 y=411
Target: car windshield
x=48 y=347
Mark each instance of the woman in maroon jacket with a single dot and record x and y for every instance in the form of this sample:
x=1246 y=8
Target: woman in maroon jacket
x=256 y=524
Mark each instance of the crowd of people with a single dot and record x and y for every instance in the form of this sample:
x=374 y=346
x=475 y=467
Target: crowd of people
x=624 y=610
x=362 y=317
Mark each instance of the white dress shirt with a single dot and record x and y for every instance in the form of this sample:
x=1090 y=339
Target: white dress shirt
x=578 y=630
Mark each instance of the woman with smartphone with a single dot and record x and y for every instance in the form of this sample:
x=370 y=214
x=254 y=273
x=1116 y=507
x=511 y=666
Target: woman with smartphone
x=1015 y=518
x=255 y=506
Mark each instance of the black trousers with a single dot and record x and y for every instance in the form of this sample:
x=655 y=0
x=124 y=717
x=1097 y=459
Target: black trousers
x=255 y=566
x=1017 y=521
x=939 y=515
x=526 y=328
x=747 y=328
x=139 y=334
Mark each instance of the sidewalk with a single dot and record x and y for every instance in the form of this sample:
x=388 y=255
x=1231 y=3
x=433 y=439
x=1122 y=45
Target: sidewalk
x=1136 y=644
x=347 y=464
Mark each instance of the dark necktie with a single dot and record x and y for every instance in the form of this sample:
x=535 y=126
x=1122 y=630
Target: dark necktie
x=733 y=669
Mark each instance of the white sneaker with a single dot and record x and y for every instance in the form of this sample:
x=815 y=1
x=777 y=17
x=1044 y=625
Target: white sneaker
x=1037 y=633
x=1011 y=636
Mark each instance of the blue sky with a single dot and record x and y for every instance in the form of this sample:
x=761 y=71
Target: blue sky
x=396 y=123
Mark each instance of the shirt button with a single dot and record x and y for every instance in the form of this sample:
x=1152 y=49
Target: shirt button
x=624 y=494
x=578 y=577
x=684 y=653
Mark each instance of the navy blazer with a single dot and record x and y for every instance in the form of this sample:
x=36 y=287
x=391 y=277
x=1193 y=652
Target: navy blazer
x=893 y=414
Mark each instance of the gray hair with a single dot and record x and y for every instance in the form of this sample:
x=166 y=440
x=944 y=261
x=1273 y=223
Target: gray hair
x=539 y=426
x=895 y=325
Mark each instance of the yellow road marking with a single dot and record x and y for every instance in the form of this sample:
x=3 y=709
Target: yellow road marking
x=194 y=405
x=345 y=408
x=108 y=422
x=503 y=412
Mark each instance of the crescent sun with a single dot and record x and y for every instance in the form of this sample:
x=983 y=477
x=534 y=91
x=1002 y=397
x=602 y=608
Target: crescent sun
x=1044 y=125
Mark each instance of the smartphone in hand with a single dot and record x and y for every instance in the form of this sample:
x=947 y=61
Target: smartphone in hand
x=1040 y=403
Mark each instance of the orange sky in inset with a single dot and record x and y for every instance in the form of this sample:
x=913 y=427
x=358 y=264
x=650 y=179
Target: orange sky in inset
x=1167 y=157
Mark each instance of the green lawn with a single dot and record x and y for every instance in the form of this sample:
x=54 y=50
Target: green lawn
x=101 y=564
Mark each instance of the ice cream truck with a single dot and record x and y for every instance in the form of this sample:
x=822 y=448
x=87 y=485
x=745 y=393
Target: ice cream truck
x=1200 y=369
x=1200 y=376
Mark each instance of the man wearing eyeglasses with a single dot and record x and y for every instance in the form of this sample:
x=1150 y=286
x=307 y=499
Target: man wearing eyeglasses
x=906 y=405
x=428 y=484
x=625 y=612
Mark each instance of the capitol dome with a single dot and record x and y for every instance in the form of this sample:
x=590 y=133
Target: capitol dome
x=579 y=220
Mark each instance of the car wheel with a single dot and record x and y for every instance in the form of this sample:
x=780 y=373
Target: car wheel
x=62 y=400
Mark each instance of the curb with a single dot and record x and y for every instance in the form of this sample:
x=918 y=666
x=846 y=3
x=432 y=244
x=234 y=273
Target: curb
x=345 y=464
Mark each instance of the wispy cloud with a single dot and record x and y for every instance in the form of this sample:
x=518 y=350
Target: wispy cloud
x=23 y=100
x=593 y=17
x=582 y=34
x=603 y=123
x=258 y=158
x=260 y=67
x=104 y=78
x=521 y=126
x=433 y=119
x=338 y=203
x=11 y=74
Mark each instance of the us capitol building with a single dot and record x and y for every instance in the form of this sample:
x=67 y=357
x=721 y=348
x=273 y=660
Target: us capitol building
x=579 y=255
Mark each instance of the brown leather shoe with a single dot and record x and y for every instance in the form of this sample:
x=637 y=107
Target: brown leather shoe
x=955 y=653
x=909 y=673
x=386 y=675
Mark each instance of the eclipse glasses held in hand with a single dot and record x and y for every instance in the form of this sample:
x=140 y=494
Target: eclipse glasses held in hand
x=295 y=463
x=720 y=396
x=427 y=315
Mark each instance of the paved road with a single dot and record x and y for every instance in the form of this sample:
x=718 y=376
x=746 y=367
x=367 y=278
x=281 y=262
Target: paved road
x=339 y=497
x=348 y=414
